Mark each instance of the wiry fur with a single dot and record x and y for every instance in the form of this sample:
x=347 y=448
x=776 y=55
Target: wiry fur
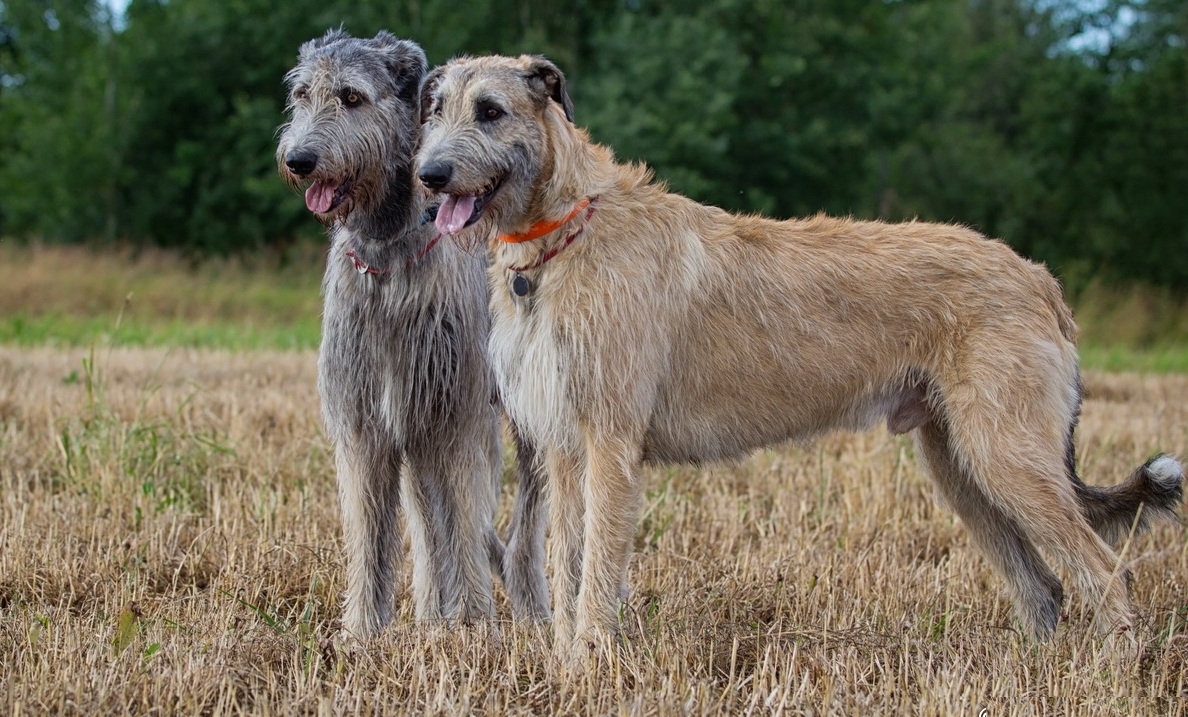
x=402 y=373
x=672 y=331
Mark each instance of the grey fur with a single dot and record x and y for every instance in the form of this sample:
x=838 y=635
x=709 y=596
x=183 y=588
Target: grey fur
x=523 y=570
x=402 y=372
x=1154 y=490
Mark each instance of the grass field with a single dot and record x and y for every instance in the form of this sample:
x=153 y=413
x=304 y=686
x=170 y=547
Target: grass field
x=169 y=543
x=71 y=297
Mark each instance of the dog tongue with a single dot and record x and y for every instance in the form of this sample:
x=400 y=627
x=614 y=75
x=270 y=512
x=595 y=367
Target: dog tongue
x=454 y=213
x=320 y=196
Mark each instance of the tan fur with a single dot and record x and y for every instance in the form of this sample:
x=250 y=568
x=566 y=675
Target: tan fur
x=670 y=331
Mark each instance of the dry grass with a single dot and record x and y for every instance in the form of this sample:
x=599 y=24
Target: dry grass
x=169 y=544
x=74 y=281
x=71 y=296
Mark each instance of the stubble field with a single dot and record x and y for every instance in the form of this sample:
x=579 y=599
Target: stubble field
x=170 y=544
x=169 y=536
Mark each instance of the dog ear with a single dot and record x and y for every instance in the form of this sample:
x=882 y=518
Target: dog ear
x=428 y=87
x=311 y=46
x=546 y=79
x=405 y=61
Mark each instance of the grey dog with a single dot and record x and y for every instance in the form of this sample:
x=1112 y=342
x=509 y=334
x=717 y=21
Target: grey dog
x=406 y=391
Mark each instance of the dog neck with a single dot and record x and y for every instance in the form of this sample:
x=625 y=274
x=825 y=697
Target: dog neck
x=398 y=210
x=390 y=235
x=587 y=171
x=545 y=226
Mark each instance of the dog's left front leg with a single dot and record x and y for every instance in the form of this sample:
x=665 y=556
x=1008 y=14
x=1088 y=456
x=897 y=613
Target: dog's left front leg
x=425 y=513
x=611 y=492
x=450 y=502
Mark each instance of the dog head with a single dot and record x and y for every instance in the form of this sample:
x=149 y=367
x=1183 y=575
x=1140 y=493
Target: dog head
x=486 y=136
x=354 y=120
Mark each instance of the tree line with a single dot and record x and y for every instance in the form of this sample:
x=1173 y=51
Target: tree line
x=1060 y=126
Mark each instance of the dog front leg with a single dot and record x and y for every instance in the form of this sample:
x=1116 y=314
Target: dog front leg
x=611 y=492
x=425 y=513
x=369 y=492
x=449 y=503
x=567 y=506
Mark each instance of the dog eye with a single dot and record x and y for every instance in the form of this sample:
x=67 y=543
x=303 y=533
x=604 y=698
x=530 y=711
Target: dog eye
x=300 y=93
x=489 y=113
x=350 y=98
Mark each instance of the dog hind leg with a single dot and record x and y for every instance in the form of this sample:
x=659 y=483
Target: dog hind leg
x=1006 y=436
x=1035 y=590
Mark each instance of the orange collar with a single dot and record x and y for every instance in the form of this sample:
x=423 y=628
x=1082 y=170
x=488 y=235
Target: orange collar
x=545 y=226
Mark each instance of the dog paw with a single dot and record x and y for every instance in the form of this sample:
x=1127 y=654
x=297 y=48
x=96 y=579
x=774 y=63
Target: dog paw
x=590 y=648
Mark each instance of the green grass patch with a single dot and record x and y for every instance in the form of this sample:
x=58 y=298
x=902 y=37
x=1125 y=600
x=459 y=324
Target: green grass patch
x=234 y=335
x=73 y=296
x=249 y=333
x=1161 y=359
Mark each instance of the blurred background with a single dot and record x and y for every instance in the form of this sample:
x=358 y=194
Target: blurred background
x=1060 y=126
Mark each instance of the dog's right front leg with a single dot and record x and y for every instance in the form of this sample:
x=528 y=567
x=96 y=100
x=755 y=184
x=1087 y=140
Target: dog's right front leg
x=368 y=490
x=567 y=508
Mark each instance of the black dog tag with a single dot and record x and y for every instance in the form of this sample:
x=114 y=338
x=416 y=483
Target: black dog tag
x=520 y=285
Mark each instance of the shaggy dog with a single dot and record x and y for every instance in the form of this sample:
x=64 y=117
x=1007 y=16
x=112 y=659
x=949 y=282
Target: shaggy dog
x=631 y=324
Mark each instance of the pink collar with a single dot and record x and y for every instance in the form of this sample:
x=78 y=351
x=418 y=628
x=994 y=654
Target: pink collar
x=363 y=268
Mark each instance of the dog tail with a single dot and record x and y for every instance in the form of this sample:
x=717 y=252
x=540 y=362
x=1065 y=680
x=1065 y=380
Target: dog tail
x=1154 y=490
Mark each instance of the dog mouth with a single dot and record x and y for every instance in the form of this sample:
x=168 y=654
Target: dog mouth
x=459 y=211
x=325 y=195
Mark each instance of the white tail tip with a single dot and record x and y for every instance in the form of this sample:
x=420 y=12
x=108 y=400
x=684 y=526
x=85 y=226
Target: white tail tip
x=1166 y=471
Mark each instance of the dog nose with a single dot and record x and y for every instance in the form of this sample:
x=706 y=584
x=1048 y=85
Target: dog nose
x=301 y=163
x=436 y=175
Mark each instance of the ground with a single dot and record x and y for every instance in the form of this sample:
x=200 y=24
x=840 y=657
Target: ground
x=169 y=543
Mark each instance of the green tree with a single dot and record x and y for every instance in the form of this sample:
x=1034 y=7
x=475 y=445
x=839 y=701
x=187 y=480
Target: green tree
x=1144 y=155
x=1055 y=124
x=60 y=118
x=755 y=105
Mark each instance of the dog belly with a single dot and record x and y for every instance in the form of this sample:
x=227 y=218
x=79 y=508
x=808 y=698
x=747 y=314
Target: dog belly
x=688 y=432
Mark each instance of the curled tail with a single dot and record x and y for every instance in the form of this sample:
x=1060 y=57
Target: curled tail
x=1155 y=488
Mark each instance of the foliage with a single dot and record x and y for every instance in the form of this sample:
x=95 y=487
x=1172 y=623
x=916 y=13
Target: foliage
x=1055 y=124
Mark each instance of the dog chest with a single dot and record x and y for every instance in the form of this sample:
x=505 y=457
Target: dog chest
x=398 y=357
x=531 y=366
